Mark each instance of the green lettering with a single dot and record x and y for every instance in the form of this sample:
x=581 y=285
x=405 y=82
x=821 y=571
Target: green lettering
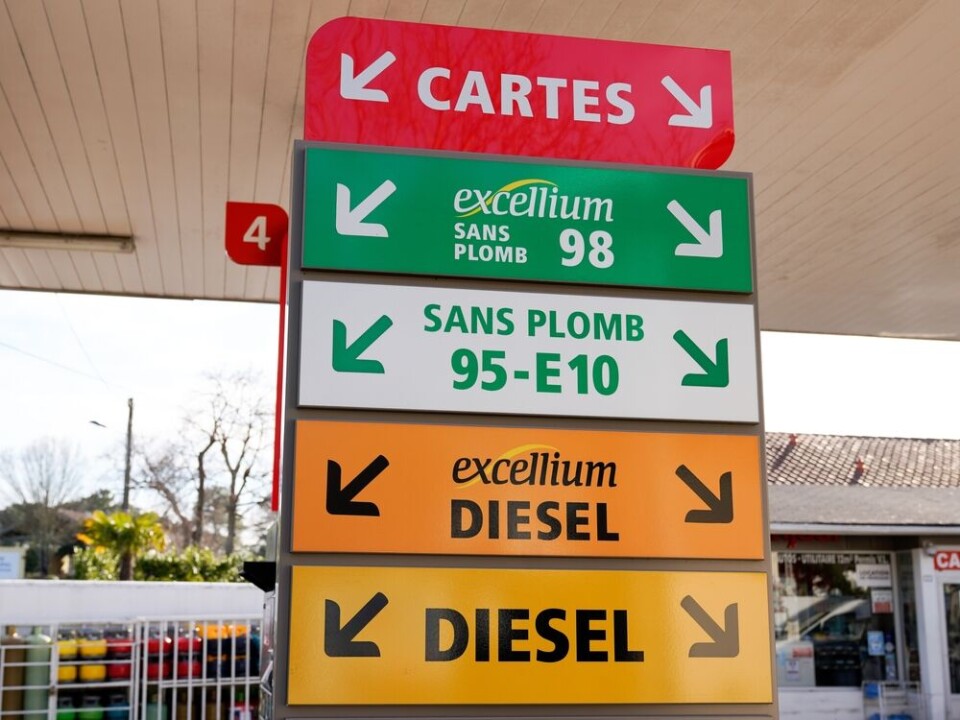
x=535 y=319
x=546 y=371
x=434 y=323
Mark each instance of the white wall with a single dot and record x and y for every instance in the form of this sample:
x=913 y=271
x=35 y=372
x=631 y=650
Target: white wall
x=41 y=602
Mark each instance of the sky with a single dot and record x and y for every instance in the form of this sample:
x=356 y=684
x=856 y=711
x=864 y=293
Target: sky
x=67 y=360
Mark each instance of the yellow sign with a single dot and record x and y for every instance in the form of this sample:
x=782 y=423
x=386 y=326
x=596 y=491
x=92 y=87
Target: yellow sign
x=461 y=490
x=401 y=636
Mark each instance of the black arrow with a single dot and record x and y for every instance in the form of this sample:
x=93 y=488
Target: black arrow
x=726 y=639
x=720 y=507
x=340 y=500
x=339 y=641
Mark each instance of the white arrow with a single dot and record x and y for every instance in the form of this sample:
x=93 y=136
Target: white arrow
x=698 y=116
x=709 y=243
x=351 y=222
x=354 y=87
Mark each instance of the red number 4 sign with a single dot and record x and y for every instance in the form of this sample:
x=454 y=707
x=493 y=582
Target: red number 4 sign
x=255 y=233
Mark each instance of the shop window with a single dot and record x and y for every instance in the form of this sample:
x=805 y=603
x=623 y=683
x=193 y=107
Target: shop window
x=834 y=619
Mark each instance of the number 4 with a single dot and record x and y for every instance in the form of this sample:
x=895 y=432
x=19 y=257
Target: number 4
x=257 y=232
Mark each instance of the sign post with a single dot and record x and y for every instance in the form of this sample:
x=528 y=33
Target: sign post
x=523 y=436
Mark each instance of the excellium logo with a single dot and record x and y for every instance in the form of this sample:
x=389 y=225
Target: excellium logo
x=534 y=465
x=531 y=197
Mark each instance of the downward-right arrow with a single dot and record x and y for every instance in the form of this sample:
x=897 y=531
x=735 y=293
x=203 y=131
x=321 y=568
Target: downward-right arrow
x=726 y=639
x=716 y=373
x=720 y=506
x=699 y=115
x=339 y=641
x=708 y=243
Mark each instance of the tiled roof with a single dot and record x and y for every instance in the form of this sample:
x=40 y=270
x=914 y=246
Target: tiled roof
x=840 y=460
x=843 y=480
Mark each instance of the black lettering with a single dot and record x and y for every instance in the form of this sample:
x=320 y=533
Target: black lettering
x=457 y=528
x=494 y=520
x=483 y=635
x=461 y=634
x=459 y=468
x=574 y=520
x=495 y=474
x=602 y=532
x=482 y=470
x=586 y=635
x=515 y=519
x=561 y=645
x=544 y=516
x=621 y=651
x=520 y=466
x=507 y=633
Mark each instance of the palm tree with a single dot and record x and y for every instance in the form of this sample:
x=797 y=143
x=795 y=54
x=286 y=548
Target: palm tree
x=124 y=534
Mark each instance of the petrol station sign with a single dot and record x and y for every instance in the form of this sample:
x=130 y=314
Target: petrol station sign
x=380 y=82
x=509 y=219
x=437 y=636
x=468 y=490
x=598 y=414
x=441 y=349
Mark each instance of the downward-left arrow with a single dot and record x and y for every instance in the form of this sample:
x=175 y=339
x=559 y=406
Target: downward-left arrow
x=354 y=87
x=339 y=641
x=340 y=498
x=346 y=358
x=350 y=221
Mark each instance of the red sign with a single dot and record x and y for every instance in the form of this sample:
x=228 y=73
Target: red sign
x=255 y=233
x=380 y=82
x=947 y=560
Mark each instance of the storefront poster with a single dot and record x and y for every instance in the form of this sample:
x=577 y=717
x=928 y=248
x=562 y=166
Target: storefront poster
x=881 y=601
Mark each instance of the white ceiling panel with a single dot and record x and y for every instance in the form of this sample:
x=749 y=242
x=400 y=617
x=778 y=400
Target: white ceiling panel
x=143 y=117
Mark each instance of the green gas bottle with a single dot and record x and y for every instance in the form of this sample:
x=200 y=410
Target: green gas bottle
x=13 y=654
x=37 y=676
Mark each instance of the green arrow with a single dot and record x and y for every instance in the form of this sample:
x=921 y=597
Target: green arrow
x=346 y=358
x=715 y=374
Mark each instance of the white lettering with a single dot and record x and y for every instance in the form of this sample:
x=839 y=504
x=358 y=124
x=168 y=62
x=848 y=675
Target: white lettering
x=581 y=100
x=475 y=92
x=424 y=88
x=552 y=86
x=514 y=89
x=621 y=103
x=460 y=198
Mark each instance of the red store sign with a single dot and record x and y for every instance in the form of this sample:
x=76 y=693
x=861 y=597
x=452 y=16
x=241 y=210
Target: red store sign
x=380 y=82
x=947 y=560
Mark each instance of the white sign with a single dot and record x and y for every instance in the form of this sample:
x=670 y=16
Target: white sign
x=11 y=563
x=872 y=575
x=440 y=349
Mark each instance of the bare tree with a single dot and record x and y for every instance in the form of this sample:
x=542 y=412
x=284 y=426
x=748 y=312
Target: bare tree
x=244 y=431
x=44 y=476
x=219 y=463
x=165 y=470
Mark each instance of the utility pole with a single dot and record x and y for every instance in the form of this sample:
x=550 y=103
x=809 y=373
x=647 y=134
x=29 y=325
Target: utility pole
x=126 y=469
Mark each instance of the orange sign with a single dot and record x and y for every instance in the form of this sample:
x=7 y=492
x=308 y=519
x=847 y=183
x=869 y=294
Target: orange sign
x=402 y=636
x=431 y=489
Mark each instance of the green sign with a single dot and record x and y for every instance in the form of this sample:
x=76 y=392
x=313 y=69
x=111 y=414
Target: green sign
x=464 y=216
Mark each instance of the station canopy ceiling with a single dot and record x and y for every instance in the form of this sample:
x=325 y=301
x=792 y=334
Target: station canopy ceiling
x=142 y=118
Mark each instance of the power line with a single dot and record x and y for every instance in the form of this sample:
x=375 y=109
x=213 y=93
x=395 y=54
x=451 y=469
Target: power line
x=76 y=337
x=49 y=361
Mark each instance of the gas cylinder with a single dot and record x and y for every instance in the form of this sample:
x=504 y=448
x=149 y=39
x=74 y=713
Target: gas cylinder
x=14 y=653
x=37 y=676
